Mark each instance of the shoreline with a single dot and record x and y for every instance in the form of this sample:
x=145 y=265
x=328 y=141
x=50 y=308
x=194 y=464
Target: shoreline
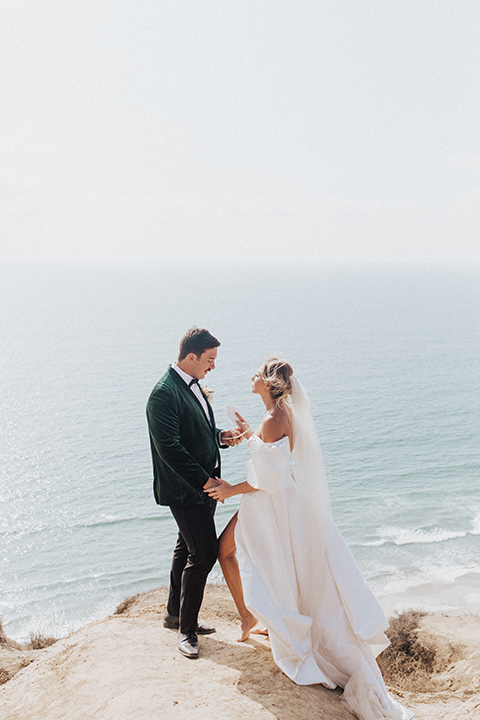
x=460 y=597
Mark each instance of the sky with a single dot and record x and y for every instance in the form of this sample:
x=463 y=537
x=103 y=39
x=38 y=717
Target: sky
x=156 y=132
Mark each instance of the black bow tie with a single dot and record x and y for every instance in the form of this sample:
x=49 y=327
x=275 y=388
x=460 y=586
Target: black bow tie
x=192 y=382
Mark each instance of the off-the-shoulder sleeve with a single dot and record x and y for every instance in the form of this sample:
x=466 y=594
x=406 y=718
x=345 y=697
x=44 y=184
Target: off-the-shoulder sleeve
x=269 y=469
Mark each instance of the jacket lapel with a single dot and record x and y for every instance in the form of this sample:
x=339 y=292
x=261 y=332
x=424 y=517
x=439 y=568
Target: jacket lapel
x=210 y=412
x=180 y=382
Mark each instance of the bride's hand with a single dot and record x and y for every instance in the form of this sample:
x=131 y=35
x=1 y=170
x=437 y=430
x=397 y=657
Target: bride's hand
x=221 y=491
x=243 y=426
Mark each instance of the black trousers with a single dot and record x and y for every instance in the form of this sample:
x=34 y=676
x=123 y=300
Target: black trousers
x=194 y=556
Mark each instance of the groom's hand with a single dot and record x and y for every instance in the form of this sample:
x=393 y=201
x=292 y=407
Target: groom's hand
x=210 y=484
x=230 y=437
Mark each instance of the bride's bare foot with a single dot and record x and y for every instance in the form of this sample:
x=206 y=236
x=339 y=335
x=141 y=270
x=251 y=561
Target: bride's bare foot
x=248 y=622
x=259 y=631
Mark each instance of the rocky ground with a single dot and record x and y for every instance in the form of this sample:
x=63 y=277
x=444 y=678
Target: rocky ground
x=127 y=666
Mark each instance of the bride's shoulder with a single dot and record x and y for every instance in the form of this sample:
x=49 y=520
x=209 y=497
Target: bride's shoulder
x=274 y=428
x=256 y=442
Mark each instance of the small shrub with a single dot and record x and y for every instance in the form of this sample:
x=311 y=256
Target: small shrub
x=39 y=641
x=407 y=663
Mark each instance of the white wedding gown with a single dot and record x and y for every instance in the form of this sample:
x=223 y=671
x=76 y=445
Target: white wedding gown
x=325 y=625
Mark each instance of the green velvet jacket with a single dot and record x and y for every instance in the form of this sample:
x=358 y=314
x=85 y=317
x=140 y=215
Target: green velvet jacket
x=185 y=447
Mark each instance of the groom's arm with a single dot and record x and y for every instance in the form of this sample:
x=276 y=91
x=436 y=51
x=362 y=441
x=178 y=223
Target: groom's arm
x=218 y=434
x=164 y=425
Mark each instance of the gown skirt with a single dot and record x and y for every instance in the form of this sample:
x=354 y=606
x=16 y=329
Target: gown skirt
x=325 y=625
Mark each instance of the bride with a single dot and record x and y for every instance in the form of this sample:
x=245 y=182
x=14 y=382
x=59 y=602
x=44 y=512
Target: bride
x=295 y=574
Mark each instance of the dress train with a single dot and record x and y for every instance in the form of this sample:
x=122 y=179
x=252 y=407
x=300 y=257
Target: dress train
x=325 y=625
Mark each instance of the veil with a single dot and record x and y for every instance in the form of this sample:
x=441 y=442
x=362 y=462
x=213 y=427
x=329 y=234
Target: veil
x=308 y=458
x=321 y=536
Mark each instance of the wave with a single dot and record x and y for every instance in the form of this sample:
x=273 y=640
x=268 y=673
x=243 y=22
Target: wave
x=426 y=574
x=476 y=524
x=404 y=536
x=104 y=520
x=113 y=520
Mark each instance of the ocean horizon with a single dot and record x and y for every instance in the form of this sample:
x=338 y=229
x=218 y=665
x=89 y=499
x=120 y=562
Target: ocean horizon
x=390 y=357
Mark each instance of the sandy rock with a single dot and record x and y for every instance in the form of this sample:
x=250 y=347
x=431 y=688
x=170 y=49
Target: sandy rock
x=469 y=711
x=127 y=666
x=457 y=644
x=13 y=660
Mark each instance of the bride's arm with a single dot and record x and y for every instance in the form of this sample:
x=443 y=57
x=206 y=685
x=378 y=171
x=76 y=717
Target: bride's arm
x=224 y=490
x=243 y=426
x=269 y=432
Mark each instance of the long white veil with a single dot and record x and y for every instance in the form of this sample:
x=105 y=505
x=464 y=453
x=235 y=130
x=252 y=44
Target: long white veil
x=322 y=537
x=308 y=458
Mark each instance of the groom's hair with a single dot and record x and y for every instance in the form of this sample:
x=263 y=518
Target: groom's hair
x=196 y=340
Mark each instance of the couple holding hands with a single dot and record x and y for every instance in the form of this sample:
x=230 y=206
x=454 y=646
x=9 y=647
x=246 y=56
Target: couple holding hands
x=283 y=558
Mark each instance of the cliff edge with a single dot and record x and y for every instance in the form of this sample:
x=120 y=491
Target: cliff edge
x=127 y=666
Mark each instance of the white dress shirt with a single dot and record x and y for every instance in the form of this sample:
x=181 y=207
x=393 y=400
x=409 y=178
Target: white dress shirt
x=197 y=392
x=195 y=389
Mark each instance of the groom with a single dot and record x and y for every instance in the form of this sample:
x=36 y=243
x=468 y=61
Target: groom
x=186 y=460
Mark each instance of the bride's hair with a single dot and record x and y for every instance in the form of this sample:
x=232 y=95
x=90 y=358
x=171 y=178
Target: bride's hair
x=277 y=374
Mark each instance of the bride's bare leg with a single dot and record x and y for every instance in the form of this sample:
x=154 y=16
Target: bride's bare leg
x=231 y=573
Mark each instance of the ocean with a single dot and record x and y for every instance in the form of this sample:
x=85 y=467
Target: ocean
x=390 y=357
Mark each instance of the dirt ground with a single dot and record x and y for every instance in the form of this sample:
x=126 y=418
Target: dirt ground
x=127 y=666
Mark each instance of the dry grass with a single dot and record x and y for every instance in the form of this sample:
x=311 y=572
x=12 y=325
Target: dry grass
x=123 y=607
x=39 y=641
x=410 y=663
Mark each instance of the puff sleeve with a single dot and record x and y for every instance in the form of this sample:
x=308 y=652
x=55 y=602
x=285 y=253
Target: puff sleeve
x=269 y=468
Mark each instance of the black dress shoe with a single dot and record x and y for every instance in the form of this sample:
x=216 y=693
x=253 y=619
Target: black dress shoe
x=188 y=645
x=171 y=622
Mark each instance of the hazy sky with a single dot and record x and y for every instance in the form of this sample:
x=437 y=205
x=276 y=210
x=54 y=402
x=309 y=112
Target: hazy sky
x=150 y=131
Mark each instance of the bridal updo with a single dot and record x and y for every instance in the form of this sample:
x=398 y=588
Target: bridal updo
x=277 y=373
